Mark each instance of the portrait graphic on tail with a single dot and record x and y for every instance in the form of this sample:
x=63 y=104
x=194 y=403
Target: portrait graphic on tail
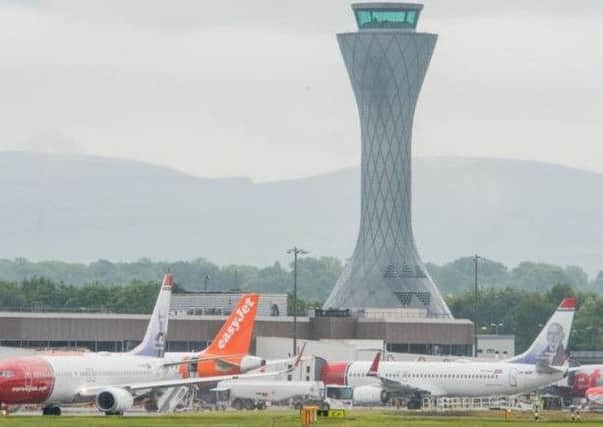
x=550 y=346
x=554 y=352
x=154 y=341
x=159 y=348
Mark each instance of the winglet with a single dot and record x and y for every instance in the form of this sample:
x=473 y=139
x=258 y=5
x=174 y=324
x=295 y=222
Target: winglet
x=374 y=369
x=568 y=304
x=299 y=356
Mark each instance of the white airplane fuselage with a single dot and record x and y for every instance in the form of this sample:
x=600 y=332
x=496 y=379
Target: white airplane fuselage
x=61 y=379
x=455 y=378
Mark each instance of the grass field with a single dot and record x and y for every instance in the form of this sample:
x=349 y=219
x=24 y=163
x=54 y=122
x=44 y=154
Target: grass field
x=290 y=418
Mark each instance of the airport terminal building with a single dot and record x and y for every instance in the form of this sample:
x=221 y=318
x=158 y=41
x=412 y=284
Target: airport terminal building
x=120 y=332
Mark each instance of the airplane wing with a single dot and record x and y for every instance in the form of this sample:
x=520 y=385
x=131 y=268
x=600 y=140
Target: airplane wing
x=399 y=386
x=202 y=359
x=222 y=360
x=403 y=388
x=176 y=382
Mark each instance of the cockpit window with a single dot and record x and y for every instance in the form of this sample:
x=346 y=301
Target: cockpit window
x=6 y=374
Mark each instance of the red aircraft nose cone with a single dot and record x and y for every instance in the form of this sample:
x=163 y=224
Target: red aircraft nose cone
x=595 y=394
x=25 y=380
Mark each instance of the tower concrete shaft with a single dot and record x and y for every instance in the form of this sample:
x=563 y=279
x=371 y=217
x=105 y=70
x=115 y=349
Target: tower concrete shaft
x=386 y=61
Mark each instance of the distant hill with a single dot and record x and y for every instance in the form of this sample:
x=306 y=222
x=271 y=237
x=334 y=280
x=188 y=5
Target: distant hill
x=84 y=208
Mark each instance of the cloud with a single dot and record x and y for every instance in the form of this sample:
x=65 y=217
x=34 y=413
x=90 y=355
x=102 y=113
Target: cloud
x=259 y=88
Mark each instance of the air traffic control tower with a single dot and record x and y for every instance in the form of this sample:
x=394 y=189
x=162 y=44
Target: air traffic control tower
x=386 y=60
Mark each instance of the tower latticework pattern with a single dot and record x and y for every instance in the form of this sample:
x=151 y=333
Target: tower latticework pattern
x=386 y=69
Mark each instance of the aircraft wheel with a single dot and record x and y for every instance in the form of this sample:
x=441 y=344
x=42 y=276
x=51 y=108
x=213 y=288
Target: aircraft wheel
x=151 y=405
x=415 y=402
x=237 y=404
x=51 y=410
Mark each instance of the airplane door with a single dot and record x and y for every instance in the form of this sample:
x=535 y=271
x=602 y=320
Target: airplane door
x=513 y=377
x=404 y=377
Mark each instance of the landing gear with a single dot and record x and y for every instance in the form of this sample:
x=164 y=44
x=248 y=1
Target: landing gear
x=51 y=410
x=150 y=405
x=237 y=404
x=415 y=402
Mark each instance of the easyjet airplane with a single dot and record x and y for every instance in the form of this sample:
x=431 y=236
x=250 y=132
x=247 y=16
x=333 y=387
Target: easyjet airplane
x=112 y=380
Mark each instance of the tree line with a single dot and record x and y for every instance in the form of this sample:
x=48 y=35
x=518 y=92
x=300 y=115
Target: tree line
x=504 y=311
x=515 y=301
x=523 y=313
x=316 y=276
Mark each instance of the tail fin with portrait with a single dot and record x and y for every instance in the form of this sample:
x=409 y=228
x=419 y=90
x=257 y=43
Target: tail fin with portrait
x=550 y=346
x=153 y=343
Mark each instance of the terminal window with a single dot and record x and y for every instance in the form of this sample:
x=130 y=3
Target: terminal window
x=397 y=18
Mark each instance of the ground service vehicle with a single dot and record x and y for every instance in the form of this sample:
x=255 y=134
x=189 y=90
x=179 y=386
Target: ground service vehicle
x=255 y=394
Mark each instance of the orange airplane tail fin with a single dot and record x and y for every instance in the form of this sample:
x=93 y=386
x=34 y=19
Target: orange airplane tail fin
x=234 y=338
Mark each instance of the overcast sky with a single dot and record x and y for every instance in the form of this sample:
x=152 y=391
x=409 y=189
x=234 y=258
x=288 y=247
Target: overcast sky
x=258 y=88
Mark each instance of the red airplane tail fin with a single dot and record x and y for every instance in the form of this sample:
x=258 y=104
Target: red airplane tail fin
x=375 y=365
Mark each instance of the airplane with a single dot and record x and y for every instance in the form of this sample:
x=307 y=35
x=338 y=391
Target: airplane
x=579 y=379
x=595 y=395
x=583 y=381
x=543 y=363
x=113 y=380
x=225 y=355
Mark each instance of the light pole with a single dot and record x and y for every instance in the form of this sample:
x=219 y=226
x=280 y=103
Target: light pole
x=476 y=294
x=295 y=251
x=205 y=282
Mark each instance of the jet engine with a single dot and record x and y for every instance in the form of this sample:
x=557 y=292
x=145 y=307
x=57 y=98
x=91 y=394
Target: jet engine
x=114 y=400
x=370 y=394
x=249 y=363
